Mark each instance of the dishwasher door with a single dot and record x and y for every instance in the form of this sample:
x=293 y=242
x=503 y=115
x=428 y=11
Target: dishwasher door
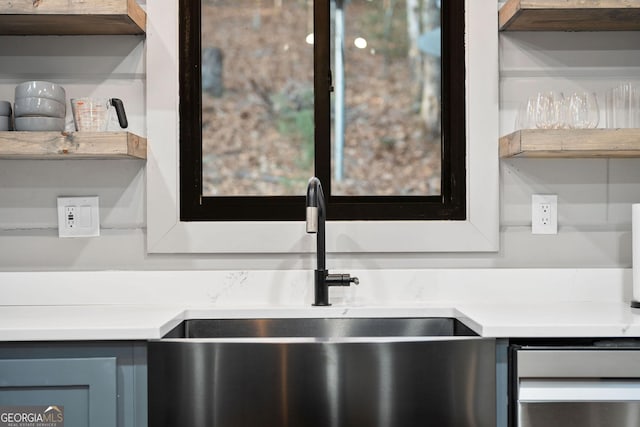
x=579 y=387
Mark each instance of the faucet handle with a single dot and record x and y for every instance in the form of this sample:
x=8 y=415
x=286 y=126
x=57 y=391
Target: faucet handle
x=341 y=280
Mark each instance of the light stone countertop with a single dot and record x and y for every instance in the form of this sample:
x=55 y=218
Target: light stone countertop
x=145 y=322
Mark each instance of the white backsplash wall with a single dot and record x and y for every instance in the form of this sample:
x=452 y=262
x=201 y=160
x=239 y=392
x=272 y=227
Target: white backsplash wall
x=292 y=288
x=594 y=196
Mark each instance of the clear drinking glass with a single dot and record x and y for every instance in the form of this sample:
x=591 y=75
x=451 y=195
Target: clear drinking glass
x=634 y=108
x=594 y=110
x=584 y=112
x=549 y=110
x=525 y=118
x=564 y=115
x=621 y=105
x=610 y=110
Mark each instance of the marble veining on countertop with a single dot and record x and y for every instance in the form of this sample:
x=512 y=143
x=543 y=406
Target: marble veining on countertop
x=142 y=305
x=131 y=322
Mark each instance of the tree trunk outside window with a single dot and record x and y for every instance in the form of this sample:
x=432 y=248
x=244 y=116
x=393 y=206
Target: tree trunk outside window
x=430 y=105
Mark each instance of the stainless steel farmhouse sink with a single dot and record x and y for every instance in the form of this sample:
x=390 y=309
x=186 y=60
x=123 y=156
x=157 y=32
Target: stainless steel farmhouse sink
x=355 y=372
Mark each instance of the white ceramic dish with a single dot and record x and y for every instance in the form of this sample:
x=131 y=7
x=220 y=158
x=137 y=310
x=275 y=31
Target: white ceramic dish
x=40 y=89
x=5 y=121
x=42 y=107
x=39 y=124
x=5 y=108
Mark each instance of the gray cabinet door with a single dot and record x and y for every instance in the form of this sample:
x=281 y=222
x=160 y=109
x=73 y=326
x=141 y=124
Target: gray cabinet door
x=84 y=387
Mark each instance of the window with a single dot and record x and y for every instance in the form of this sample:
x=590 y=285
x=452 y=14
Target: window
x=280 y=243
x=310 y=43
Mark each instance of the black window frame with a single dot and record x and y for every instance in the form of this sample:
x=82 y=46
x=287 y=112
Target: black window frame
x=449 y=205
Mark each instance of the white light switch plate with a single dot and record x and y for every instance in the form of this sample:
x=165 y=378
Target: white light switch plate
x=78 y=217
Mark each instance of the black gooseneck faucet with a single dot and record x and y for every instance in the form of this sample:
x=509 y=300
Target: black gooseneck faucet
x=316 y=218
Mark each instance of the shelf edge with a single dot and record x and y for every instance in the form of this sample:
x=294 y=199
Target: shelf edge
x=71 y=145
x=568 y=143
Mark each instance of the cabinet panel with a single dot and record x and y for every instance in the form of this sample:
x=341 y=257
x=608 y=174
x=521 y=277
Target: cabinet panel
x=73 y=399
x=130 y=371
x=85 y=387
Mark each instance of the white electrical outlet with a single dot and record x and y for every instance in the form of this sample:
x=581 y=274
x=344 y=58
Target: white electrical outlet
x=544 y=214
x=70 y=216
x=78 y=217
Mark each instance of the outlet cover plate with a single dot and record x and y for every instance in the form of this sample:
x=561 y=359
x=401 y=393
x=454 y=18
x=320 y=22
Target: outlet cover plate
x=544 y=214
x=78 y=217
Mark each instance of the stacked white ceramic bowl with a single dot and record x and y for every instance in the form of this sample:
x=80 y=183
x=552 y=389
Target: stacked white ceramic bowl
x=5 y=116
x=39 y=106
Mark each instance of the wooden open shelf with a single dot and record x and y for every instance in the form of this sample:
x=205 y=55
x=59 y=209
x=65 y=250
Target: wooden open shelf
x=68 y=145
x=570 y=15
x=65 y=17
x=571 y=143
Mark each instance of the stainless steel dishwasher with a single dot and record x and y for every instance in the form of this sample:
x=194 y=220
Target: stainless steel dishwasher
x=596 y=385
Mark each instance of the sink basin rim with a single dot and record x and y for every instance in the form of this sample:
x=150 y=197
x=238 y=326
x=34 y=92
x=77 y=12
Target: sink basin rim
x=317 y=340
x=322 y=329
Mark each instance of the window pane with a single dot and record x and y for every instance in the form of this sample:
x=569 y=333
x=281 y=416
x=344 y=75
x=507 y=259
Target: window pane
x=257 y=97
x=386 y=104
